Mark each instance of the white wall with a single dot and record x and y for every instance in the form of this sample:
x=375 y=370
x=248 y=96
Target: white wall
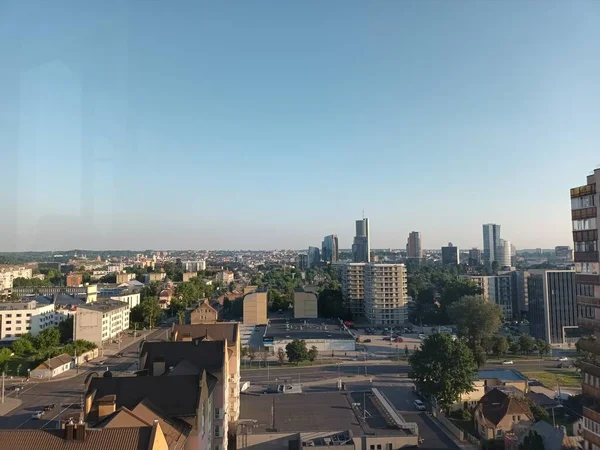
x=323 y=345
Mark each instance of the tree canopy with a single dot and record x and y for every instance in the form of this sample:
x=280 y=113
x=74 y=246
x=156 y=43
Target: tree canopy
x=443 y=369
x=296 y=351
x=331 y=304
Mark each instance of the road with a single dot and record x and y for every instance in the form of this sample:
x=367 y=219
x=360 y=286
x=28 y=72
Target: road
x=66 y=394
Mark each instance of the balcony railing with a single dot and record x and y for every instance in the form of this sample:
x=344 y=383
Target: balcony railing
x=580 y=191
x=586 y=256
x=586 y=300
x=587 y=278
x=591 y=414
x=591 y=437
x=584 y=213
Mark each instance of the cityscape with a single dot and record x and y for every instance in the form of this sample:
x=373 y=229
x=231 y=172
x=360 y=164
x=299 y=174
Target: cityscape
x=291 y=225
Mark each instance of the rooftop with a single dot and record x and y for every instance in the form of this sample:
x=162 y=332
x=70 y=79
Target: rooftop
x=306 y=329
x=105 y=305
x=501 y=374
x=203 y=355
x=212 y=331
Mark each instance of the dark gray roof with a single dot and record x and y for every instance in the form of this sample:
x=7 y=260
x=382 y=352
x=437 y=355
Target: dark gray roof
x=204 y=355
x=214 y=331
x=104 y=305
x=174 y=395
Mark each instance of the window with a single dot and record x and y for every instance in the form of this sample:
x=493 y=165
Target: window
x=498 y=433
x=9 y=321
x=18 y=321
x=19 y=315
x=28 y=314
x=8 y=329
x=371 y=447
x=378 y=446
x=582 y=202
x=18 y=328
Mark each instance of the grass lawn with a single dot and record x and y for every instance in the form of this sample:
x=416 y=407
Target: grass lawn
x=566 y=377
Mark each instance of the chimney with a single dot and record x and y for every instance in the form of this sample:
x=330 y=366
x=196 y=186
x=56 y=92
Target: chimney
x=107 y=405
x=158 y=366
x=69 y=430
x=80 y=431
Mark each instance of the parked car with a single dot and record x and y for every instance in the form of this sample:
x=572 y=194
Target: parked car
x=49 y=407
x=562 y=358
x=507 y=362
x=37 y=415
x=366 y=341
x=398 y=340
x=419 y=405
x=387 y=338
x=422 y=336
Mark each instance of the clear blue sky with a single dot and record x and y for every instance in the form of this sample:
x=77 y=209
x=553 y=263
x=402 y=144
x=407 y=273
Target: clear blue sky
x=269 y=124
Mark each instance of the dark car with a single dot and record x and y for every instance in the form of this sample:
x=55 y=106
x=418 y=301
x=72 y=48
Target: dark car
x=366 y=341
x=387 y=338
x=49 y=407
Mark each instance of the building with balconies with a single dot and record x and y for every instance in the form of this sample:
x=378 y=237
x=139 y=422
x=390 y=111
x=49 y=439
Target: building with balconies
x=352 y=276
x=584 y=204
x=385 y=297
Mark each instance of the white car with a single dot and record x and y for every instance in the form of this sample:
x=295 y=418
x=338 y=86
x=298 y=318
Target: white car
x=419 y=405
x=37 y=415
x=422 y=336
x=562 y=358
x=507 y=363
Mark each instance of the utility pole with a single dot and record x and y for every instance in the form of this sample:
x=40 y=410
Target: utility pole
x=3 y=387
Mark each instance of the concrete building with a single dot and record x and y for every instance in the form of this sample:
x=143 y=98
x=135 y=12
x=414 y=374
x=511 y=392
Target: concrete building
x=74 y=279
x=330 y=248
x=564 y=253
x=154 y=276
x=53 y=367
x=385 y=297
x=27 y=316
x=101 y=321
x=88 y=293
x=124 y=277
x=520 y=292
x=204 y=313
x=450 y=254
x=361 y=248
x=499 y=291
x=194 y=266
x=130 y=297
x=255 y=308
x=326 y=334
x=503 y=253
x=475 y=257
x=352 y=276
x=314 y=257
x=305 y=304
x=8 y=274
x=226 y=277
x=491 y=241
x=414 y=249
x=552 y=306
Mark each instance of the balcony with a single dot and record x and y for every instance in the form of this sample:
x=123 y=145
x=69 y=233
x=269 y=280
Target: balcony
x=585 y=213
x=591 y=414
x=589 y=345
x=590 y=391
x=585 y=300
x=587 y=278
x=580 y=191
x=586 y=256
x=592 y=324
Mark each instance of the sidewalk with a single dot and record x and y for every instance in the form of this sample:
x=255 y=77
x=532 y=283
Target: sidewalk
x=8 y=405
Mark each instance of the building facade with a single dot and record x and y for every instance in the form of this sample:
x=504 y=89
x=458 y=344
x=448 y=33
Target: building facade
x=314 y=257
x=352 y=276
x=520 y=290
x=503 y=253
x=305 y=304
x=194 y=266
x=474 y=257
x=361 y=248
x=28 y=316
x=330 y=248
x=225 y=276
x=88 y=293
x=204 y=313
x=255 y=308
x=491 y=240
x=564 y=253
x=8 y=274
x=450 y=254
x=500 y=292
x=414 y=249
x=101 y=321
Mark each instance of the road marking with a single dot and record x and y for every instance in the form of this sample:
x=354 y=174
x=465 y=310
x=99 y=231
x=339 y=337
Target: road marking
x=60 y=413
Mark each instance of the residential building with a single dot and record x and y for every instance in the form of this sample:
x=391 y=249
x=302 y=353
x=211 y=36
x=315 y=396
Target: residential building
x=154 y=276
x=504 y=378
x=498 y=413
x=115 y=267
x=499 y=291
x=482 y=281
x=503 y=253
x=74 y=279
x=164 y=298
x=101 y=321
x=305 y=304
x=330 y=248
x=204 y=313
x=553 y=438
x=226 y=277
x=474 y=257
x=520 y=291
x=124 y=277
x=553 y=306
x=132 y=298
x=361 y=248
x=255 y=308
x=563 y=252
x=314 y=257
x=414 y=249
x=187 y=276
x=88 y=293
x=491 y=240
x=221 y=331
x=8 y=274
x=385 y=296
x=450 y=254
x=53 y=367
x=352 y=276
x=27 y=316
x=177 y=358
x=194 y=266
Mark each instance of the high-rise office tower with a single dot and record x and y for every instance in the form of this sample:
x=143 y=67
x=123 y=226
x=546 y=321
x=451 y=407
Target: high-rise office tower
x=503 y=253
x=330 y=249
x=361 y=248
x=552 y=305
x=584 y=211
x=474 y=257
x=314 y=256
x=491 y=240
x=413 y=245
x=450 y=254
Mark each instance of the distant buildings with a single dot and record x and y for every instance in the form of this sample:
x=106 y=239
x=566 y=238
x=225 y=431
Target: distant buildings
x=563 y=252
x=305 y=304
x=255 y=308
x=314 y=257
x=330 y=248
x=194 y=266
x=226 y=277
x=74 y=279
x=503 y=253
x=491 y=241
x=302 y=261
x=124 y=277
x=20 y=317
x=101 y=321
x=474 y=257
x=414 y=249
x=450 y=254
x=361 y=248
x=553 y=306
x=500 y=292
x=8 y=274
x=352 y=276
x=88 y=293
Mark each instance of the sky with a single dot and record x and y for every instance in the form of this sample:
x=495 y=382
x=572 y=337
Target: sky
x=269 y=124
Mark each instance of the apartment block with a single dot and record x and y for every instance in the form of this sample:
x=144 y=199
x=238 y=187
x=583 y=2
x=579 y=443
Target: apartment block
x=74 y=279
x=255 y=308
x=124 y=277
x=330 y=248
x=414 y=249
x=500 y=292
x=225 y=276
x=450 y=254
x=194 y=266
x=101 y=321
x=8 y=274
x=87 y=293
x=28 y=316
x=352 y=276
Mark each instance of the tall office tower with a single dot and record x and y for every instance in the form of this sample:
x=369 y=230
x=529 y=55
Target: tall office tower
x=414 y=246
x=584 y=202
x=330 y=248
x=352 y=276
x=552 y=305
x=302 y=261
x=474 y=257
x=503 y=253
x=491 y=240
x=520 y=292
x=563 y=252
x=450 y=254
x=385 y=294
x=500 y=293
x=361 y=248
x=314 y=257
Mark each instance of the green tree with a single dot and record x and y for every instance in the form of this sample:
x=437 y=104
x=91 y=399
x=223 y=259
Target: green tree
x=47 y=339
x=582 y=356
x=23 y=346
x=476 y=319
x=296 y=351
x=147 y=314
x=500 y=346
x=533 y=441
x=526 y=344
x=244 y=352
x=542 y=347
x=188 y=293
x=312 y=354
x=331 y=304
x=443 y=369
x=65 y=328
x=495 y=266
x=5 y=355
x=281 y=355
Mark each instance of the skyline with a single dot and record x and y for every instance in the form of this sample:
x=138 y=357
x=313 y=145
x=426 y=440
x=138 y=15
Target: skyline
x=260 y=126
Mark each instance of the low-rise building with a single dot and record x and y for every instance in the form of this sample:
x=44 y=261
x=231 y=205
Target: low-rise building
x=225 y=277
x=164 y=298
x=498 y=413
x=101 y=321
x=154 y=276
x=27 y=316
x=327 y=335
x=124 y=277
x=130 y=297
x=74 y=279
x=52 y=367
x=204 y=313
x=89 y=293
x=8 y=274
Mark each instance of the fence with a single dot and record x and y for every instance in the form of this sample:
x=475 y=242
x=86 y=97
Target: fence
x=456 y=432
x=87 y=356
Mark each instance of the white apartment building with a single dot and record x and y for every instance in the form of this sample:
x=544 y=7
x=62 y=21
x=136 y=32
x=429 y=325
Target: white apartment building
x=19 y=318
x=376 y=291
x=194 y=266
x=226 y=277
x=131 y=298
x=101 y=321
x=115 y=267
x=8 y=274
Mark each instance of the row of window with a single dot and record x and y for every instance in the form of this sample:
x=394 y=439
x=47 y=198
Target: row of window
x=17 y=328
x=589 y=246
x=591 y=426
x=17 y=315
x=584 y=224
x=582 y=202
x=592 y=380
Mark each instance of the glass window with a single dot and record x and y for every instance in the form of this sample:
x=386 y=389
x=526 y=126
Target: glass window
x=582 y=202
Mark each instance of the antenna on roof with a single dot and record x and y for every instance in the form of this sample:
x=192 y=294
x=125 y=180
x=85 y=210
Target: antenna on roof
x=363 y=213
